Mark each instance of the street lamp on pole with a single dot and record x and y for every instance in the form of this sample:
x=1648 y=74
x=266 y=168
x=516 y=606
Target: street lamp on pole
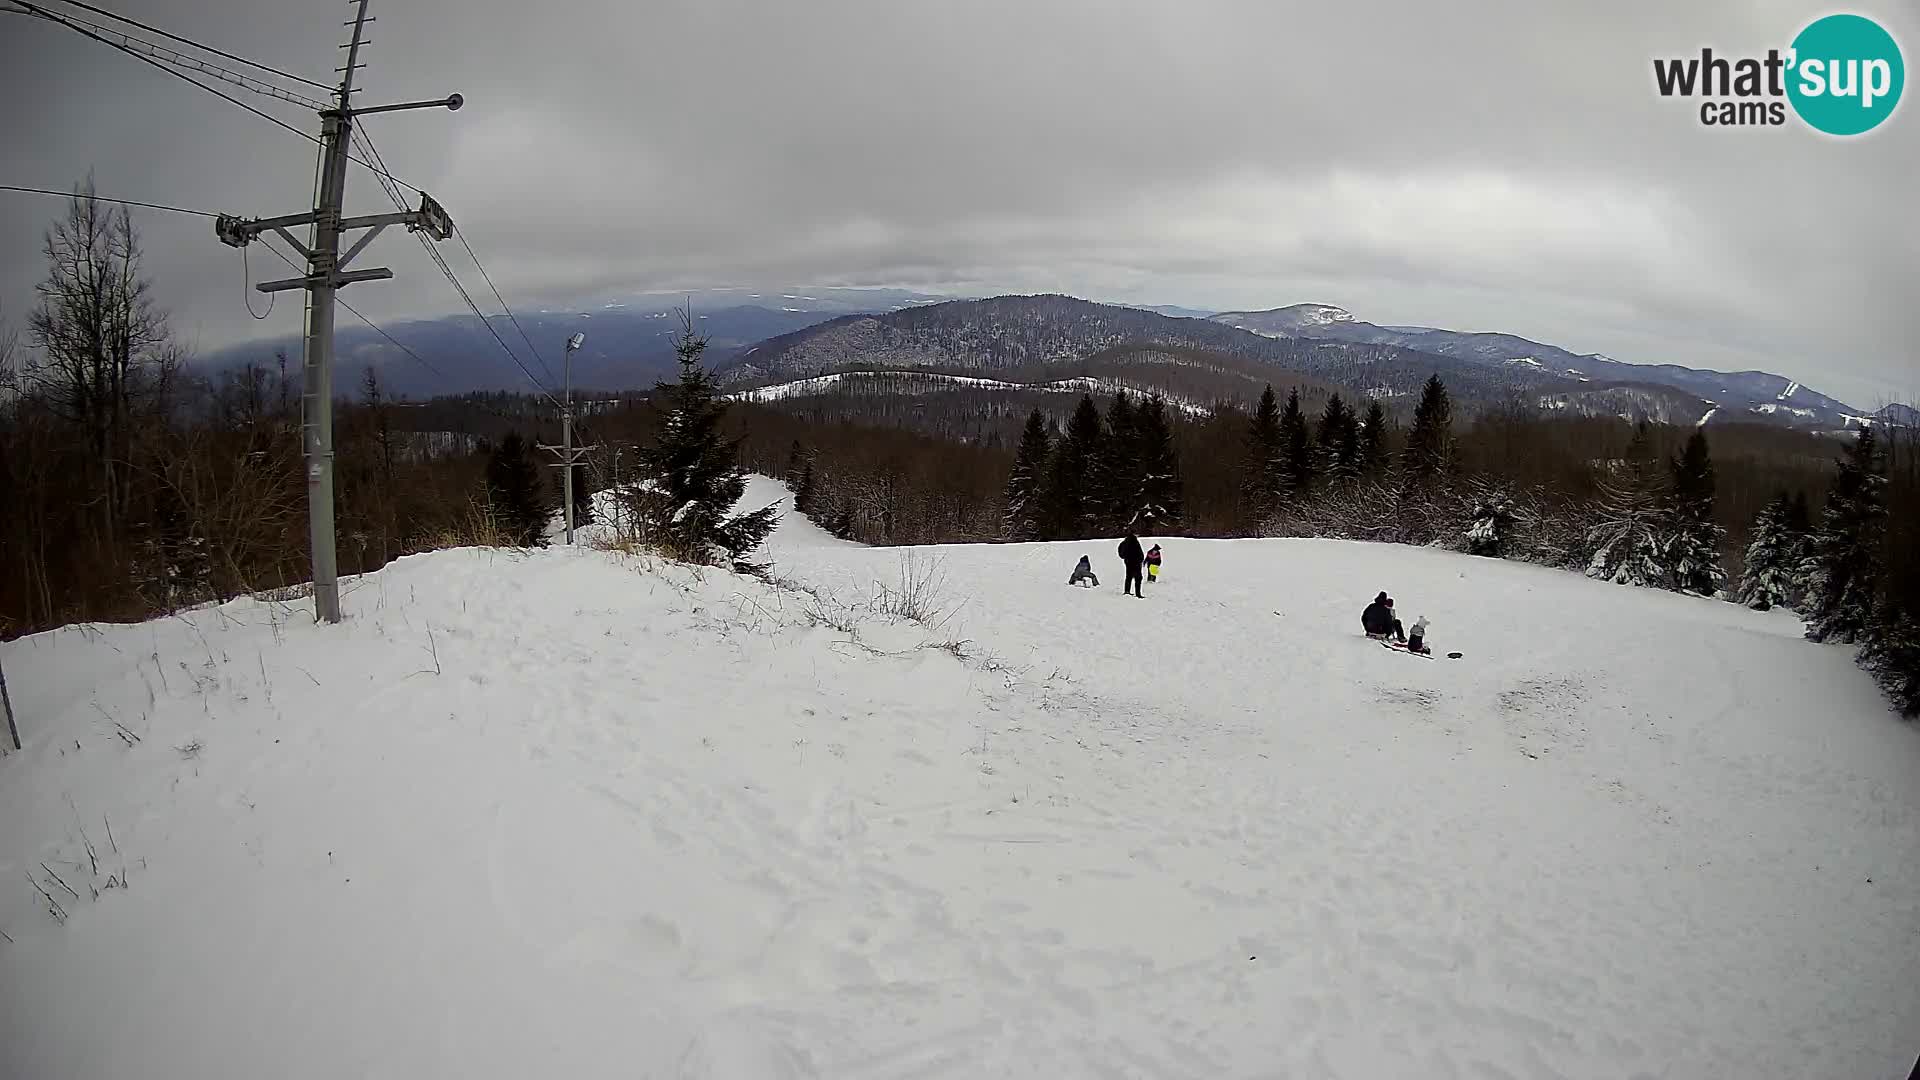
x=566 y=429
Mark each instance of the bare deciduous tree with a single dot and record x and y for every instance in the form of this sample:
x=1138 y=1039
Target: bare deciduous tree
x=102 y=347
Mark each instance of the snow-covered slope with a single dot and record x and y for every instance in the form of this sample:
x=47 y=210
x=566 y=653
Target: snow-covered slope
x=570 y=814
x=1286 y=321
x=928 y=382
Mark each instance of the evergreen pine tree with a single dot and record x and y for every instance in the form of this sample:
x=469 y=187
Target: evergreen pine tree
x=1845 y=560
x=1429 y=450
x=1800 y=527
x=520 y=507
x=691 y=475
x=1297 y=465
x=1260 y=480
x=174 y=566
x=1158 y=504
x=1892 y=654
x=1630 y=536
x=1373 y=442
x=1339 y=443
x=796 y=461
x=1693 y=546
x=806 y=490
x=1023 y=517
x=1118 y=466
x=1070 y=505
x=1771 y=573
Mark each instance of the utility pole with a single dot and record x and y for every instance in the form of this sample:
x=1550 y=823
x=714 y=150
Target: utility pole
x=326 y=273
x=619 y=495
x=567 y=452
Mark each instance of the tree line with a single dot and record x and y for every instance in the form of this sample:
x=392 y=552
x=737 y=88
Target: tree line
x=133 y=484
x=1114 y=474
x=1653 y=512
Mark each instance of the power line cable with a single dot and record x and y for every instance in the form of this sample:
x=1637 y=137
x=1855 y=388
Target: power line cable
x=454 y=280
x=246 y=288
x=374 y=152
x=515 y=319
x=176 y=58
x=145 y=59
x=103 y=198
x=440 y=261
x=184 y=77
x=370 y=323
x=189 y=41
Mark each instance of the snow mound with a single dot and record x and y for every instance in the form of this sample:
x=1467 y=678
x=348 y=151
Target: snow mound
x=573 y=813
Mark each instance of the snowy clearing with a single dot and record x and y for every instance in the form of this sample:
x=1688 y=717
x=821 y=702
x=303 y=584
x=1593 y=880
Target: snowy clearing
x=568 y=813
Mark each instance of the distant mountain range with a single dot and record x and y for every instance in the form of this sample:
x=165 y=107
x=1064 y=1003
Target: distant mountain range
x=1746 y=395
x=1049 y=337
x=629 y=339
x=776 y=335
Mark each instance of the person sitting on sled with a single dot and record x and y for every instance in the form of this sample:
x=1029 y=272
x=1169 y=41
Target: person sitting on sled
x=1153 y=563
x=1417 y=637
x=1378 y=620
x=1084 y=572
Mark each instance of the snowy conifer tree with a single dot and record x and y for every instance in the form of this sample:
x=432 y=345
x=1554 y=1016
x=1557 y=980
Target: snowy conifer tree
x=1022 y=519
x=805 y=489
x=1800 y=527
x=1373 y=442
x=1260 y=481
x=1117 y=466
x=174 y=566
x=1771 y=575
x=1693 y=545
x=1892 y=654
x=1844 y=566
x=1630 y=536
x=1429 y=452
x=1298 y=469
x=691 y=475
x=1339 y=443
x=1158 y=501
x=1494 y=519
x=1069 y=502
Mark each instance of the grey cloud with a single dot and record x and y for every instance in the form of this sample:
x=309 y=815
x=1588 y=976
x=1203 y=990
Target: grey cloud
x=1480 y=165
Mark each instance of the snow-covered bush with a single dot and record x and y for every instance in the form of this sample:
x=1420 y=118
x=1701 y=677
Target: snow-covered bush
x=1493 y=520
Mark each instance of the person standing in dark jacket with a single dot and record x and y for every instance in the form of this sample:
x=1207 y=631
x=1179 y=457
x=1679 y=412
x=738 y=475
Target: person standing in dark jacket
x=1131 y=554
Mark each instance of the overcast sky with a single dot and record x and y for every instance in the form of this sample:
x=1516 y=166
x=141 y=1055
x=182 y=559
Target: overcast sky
x=1476 y=164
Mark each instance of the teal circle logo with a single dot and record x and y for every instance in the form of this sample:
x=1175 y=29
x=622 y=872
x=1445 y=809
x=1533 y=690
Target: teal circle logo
x=1845 y=74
